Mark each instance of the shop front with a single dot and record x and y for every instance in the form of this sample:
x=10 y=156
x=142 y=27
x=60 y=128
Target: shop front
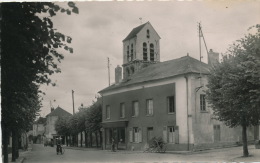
x=114 y=131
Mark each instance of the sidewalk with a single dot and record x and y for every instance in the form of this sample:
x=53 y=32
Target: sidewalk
x=22 y=153
x=233 y=154
x=254 y=155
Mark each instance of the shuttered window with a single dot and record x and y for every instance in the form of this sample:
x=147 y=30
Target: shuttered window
x=149 y=107
x=130 y=135
x=202 y=102
x=135 y=109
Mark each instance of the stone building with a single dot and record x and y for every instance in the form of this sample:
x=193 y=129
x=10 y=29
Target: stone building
x=161 y=99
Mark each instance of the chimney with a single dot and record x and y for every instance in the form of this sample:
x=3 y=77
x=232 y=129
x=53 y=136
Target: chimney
x=118 y=74
x=52 y=108
x=213 y=58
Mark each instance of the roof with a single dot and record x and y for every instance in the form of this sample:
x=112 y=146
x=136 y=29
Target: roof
x=162 y=70
x=59 y=112
x=134 y=32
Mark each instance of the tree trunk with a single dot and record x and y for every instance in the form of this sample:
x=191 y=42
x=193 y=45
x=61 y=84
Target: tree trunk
x=17 y=144
x=66 y=137
x=96 y=139
x=244 y=139
x=86 y=139
x=13 y=145
x=100 y=137
x=5 y=144
x=90 y=134
x=81 y=139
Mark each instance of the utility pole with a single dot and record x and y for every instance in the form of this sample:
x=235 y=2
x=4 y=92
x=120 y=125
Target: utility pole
x=108 y=66
x=201 y=35
x=73 y=102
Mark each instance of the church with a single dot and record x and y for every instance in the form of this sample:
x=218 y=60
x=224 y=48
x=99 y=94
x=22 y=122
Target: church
x=161 y=99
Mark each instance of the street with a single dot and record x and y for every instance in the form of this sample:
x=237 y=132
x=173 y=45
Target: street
x=43 y=154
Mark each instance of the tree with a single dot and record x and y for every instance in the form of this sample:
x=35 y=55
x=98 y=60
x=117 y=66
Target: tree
x=29 y=56
x=234 y=85
x=94 y=119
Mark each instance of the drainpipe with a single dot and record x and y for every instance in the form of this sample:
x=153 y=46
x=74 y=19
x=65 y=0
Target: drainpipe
x=187 y=96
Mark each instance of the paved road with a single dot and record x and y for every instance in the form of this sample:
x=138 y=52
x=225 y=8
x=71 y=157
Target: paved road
x=42 y=154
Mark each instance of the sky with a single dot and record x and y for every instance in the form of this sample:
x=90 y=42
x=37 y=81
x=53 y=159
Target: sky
x=99 y=28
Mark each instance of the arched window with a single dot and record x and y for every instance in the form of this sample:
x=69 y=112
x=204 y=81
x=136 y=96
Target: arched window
x=127 y=53
x=151 y=52
x=148 y=33
x=132 y=52
x=144 y=51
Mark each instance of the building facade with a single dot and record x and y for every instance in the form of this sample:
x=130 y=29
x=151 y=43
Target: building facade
x=50 y=131
x=39 y=130
x=161 y=99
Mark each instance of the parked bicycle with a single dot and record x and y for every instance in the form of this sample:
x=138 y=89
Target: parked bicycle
x=156 y=145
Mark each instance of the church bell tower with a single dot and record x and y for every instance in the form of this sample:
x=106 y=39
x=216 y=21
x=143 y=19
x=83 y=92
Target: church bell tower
x=140 y=49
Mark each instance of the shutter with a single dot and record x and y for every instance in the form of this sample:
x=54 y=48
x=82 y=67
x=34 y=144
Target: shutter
x=176 y=130
x=130 y=135
x=140 y=135
x=165 y=133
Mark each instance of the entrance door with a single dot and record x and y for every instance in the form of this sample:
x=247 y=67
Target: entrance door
x=121 y=138
x=149 y=133
x=216 y=133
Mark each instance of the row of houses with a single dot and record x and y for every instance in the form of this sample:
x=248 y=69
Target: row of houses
x=162 y=99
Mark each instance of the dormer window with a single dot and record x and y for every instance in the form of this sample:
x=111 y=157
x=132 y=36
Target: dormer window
x=144 y=51
x=151 y=52
x=148 y=33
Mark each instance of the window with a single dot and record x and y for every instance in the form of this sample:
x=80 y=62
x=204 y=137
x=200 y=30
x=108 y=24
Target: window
x=107 y=112
x=144 y=51
x=132 y=70
x=151 y=52
x=171 y=134
x=216 y=133
x=171 y=104
x=148 y=33
x=122 y=110
x=137 y=135
x=202 y=102
x=132 y=52
x=149 y=107
x=127 y=52
x=127 y=72
x=135 y=109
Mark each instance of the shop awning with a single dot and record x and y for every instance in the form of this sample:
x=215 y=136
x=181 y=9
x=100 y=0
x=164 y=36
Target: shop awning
x=114 y=124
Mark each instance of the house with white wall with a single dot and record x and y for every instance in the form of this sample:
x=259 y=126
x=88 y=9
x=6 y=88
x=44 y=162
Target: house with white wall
x=161 y=99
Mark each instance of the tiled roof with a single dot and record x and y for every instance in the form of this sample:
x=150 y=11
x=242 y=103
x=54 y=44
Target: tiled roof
x=134 y=32
x=162 y=70
x=59 y=112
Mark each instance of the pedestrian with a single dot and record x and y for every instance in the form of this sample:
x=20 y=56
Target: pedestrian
x=113 y=145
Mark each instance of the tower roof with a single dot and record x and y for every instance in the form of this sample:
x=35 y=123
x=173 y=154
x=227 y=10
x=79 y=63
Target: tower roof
x=162 y=70
x=136 y=30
